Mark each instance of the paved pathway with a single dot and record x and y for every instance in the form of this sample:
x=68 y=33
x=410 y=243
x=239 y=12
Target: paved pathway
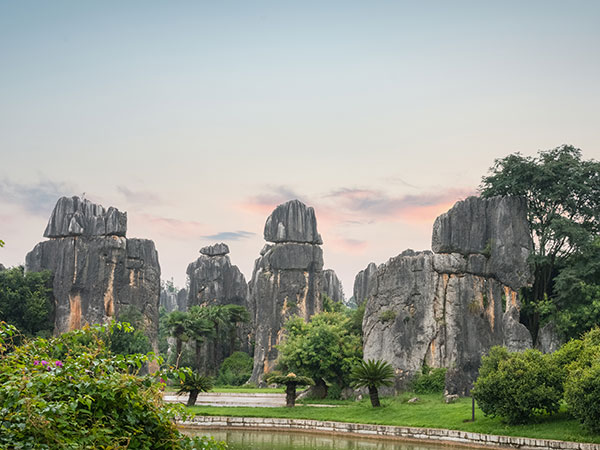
x=230 y=399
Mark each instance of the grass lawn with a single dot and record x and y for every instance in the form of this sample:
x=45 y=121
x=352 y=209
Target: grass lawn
x=430 y=412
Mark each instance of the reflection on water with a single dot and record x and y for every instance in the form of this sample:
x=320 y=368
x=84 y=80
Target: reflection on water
x=269 y=440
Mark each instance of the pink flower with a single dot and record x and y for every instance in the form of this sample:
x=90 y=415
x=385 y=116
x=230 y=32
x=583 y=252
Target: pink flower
x=44 y=362
x=59 y=364
x=35 y=362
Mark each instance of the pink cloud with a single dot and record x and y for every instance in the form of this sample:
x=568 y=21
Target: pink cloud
x=173 y=228
x=346 y=245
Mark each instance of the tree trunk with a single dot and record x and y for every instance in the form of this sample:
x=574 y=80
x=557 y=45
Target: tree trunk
x=374 y=395
x=290 y=395
x=178 y=351
x=192 y=398
x=319 y=390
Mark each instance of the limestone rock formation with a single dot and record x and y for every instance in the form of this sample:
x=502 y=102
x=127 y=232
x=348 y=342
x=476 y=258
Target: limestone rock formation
x=215 y=281
x=96 y=270
x=363 y=283
x=286 y=280
x=492 y=233
x=549 y=339
x=292 y=222
x=73 y=216
x=220 y=249
x=447 y=309
x=332 y=286
x=2 y=267
x=173 y=299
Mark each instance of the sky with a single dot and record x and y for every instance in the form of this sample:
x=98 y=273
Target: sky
x=198 y=118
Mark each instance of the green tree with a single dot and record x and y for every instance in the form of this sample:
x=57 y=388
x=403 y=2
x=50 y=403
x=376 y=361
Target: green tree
x=26 y=300
x=200 y=328
x=236 y=369
x=130 y=342
x=373 y=374
x=193 y=382
x=516 y=386
x=178 y=326
x=563 y=196
x=323 y=349
x=291 y=382
x=582 y=385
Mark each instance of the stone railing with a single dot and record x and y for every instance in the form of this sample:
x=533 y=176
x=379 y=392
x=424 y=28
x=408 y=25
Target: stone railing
x=385 y=431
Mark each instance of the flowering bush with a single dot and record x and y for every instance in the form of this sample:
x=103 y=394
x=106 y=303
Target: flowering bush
x=71 y=392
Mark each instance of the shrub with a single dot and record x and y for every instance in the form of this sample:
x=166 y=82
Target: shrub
x=72 y=392
x=235 y=370
x=430 y=380
x=516 y=386
x=582 y=385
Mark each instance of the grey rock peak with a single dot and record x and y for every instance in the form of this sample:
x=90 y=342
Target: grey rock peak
x=493 y=234
x=292 y=221
x=73 y=216
x=220 y=249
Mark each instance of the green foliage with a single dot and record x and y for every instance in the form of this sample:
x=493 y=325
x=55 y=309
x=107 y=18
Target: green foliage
x=26 y=300
x=290 y=378
x=387 y=316
x=193 y=382
x=72 y=392
x=579 y=360
x=576 y=303
x=516 y=386
x=235 y=370
x=322 y=349
x=563 y=196
x=372 y=373
x=163 y=332
x=430 y=380
x=130 y=342
x=330 y=306
x=2 y=243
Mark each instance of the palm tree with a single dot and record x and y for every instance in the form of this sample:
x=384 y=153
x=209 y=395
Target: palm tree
x=178 y=323
x=291 y=381
x=194 y=383
x=236 y=315
x=372 y=374
x=200 y=329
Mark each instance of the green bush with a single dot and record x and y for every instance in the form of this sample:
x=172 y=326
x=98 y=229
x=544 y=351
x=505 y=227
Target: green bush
x=516 y=386
x=582 y=385
x=430 y=380
x=235 y=370
x=72 y=392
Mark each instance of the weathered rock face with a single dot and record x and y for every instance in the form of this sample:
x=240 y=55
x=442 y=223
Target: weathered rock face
x=287 y=279
x=2 y=267
x=76 y=217
x=549 y=339
x=449 y=309
x=363 y=282
x=331 y=286
x=173 y=300
x=215 y=250
x=215 y=281
x=292 y=222
x=494 y=235
x=97 y=271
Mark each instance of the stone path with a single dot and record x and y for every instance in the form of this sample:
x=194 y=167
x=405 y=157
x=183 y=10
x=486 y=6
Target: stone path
x=233 y=399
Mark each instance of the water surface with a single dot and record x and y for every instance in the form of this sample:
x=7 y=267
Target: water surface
x=285 y=440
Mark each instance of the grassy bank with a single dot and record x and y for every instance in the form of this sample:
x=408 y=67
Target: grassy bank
x=430 y=412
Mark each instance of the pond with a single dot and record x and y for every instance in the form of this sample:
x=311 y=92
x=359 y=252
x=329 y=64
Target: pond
x=284 y=440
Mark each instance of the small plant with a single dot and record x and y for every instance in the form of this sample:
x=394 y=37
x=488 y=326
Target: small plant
x=373 y=374
x=430 y=380
x=387 y=316
x=291 y=382
x=193 y=383
x=487 y=250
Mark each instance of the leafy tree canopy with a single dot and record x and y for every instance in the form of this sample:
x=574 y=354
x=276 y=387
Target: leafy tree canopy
x=563 y=197
x=324 y=349
x=26 y=300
